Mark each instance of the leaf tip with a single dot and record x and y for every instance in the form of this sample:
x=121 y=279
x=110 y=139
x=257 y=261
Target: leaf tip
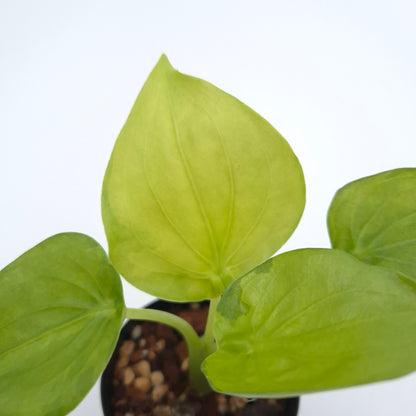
x=164 y=63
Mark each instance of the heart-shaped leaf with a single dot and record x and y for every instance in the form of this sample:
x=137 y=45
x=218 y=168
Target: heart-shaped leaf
x=312 y=320
x=61 y=309
x=374 y=219
x=199 y=189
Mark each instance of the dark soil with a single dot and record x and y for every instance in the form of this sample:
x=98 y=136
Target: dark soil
x=147 y=375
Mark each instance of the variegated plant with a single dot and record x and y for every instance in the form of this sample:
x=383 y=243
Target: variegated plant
x=199 y=193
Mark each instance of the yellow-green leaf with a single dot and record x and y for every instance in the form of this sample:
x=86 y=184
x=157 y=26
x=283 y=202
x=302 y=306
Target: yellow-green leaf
x=374 y=219
x=311 y=320
x=61 y=309
x=199 y=189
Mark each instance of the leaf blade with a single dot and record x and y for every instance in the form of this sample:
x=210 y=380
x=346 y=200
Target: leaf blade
x=199 y=189
x=61 y=308
x=374 y=218
x=324 y=320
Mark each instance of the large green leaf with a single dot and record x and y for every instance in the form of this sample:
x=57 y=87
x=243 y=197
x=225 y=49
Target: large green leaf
x=374 y=219
x=199 y=189
x=312 y=320
x=61 y=309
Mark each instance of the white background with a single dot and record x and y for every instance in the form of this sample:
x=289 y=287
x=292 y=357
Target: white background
x=336 y=78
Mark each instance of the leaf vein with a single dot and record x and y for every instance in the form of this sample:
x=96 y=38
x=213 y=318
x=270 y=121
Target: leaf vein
x=189 y=175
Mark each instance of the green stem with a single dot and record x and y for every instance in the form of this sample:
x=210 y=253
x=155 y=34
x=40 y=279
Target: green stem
x=196 y=347
x=208 y=337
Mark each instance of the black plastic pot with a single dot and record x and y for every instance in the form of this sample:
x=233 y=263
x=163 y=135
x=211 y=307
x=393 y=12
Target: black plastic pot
x=291 y=404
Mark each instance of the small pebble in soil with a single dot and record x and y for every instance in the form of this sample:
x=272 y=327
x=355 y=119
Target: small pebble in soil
x=185 y=364
x=236 y=403
x=128 y=376
x=221 y=403
x=136 y=332
x=157 y=378
x=127 y=347
x=160 y=345
x=158 y=392
x=122 y=362
x=142 y=368
x=142 y=384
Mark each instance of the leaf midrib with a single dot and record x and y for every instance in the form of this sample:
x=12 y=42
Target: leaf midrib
x=54 y=330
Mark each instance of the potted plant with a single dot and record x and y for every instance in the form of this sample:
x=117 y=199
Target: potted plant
x=199 y=192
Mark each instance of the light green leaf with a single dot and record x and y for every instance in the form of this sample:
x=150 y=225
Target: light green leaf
x=374 y=219
x=311 y=320
x=199 y=189
x=61 y=309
